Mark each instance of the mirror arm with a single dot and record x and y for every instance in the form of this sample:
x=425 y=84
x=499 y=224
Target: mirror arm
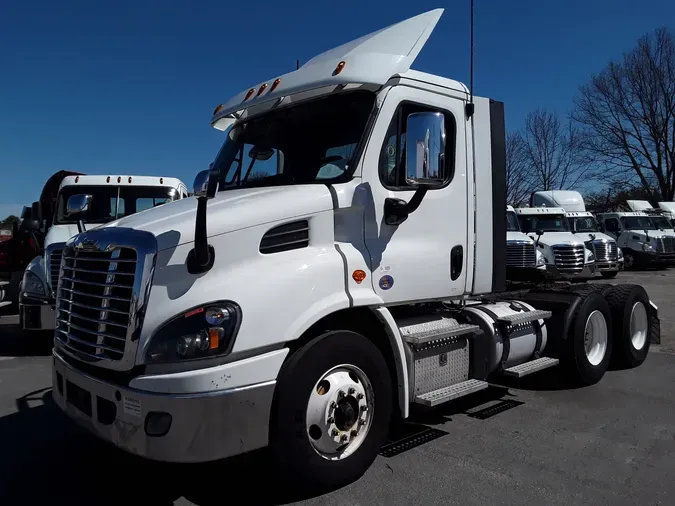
x=80 y=226
x=396 y=211
x=201 y=257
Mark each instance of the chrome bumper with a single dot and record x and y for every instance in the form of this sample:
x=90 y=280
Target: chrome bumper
x=587 y=271
x=607 y=266
x=37 y=314
x=203 y=426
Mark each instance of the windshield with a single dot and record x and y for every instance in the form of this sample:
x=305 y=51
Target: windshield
x=585 y=224
x=661 y=222
x=512 y=222
x=104 y=205
x=544 y=222
x=313 y=142
x=637 y=223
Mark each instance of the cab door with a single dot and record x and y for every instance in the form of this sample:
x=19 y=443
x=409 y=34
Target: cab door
x=419 y=139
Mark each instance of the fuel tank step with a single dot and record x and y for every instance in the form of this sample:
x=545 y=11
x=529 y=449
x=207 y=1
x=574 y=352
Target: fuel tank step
x=424 y=332
x=525 y=317
x=455 y=391
x=533 y=366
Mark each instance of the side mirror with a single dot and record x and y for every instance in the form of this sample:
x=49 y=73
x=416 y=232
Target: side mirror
x=30 y=225
x=36 y=211
x=201 y=182
x=539 y=232
x=78 y=205
x=592 y=236
x=425 y=149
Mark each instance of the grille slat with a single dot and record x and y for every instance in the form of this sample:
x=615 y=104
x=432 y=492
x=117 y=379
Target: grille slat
x=96 y=331
x=665 y=245
x=520 y=254
x=569 y=258
x=605 y=251
x=54 y=267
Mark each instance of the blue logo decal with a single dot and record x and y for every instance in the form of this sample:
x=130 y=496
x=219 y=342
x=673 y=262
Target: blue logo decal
x=386 y=282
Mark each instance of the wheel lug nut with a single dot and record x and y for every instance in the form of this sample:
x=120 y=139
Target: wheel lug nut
x=354 y=433
x=332 y=405
x=335 y=433
x=341 y=394
x=344 y=438
x=359 y=397
x=352 y=391
x=331 y=420
x=362 y=422
x=364 y=408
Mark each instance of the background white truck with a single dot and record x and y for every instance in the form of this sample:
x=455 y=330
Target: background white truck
x=522 y=255
x=109 y=198
x=641 y=242
x=566 y=255
x=608 y=256
x=324 y=280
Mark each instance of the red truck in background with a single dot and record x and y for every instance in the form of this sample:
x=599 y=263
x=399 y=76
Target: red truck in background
x=26 y=239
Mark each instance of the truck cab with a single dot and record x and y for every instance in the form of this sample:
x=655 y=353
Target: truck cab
x=108 y=198
x=343 y=260
x=565 y=253
x=668 y=209
x=608 y=256
x=521 y=252
x=640 y=240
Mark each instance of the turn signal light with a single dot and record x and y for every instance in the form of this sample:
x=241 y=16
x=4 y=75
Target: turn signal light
x=339 y=68
x=262 y=88
x=215 y=111
x=275 y=84
x=249 y=94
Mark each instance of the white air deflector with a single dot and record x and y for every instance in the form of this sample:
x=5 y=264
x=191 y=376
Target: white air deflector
x=290 y=236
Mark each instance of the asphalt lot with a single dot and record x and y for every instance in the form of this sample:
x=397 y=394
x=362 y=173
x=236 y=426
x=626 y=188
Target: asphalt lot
x=535 y=442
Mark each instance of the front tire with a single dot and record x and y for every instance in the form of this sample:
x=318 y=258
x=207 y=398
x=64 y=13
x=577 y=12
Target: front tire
x=589 y=346
x=331 y=411
x=632 y=322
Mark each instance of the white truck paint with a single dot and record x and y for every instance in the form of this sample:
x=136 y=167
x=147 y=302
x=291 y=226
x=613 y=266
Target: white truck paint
x=668 y=209
x=320 y=279
x=608 y=256
x=521 y=252
x=641 y=242
x=112 y=196
x=565 y=254
x=660 y=218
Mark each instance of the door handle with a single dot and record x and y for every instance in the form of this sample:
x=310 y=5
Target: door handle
x=456 y=262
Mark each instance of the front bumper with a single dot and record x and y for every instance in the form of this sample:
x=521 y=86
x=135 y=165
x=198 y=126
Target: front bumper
x=652 y=257
x=204 y=426
x=587 y=271
x=37 y=314
x=606 y=266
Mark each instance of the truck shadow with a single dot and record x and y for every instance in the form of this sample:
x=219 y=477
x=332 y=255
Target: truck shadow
x=16 y=343
x=47 y=459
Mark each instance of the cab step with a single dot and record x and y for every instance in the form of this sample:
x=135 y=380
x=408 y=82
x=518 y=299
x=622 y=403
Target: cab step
x=435 y=330
x=445 y=394
x=524 y=317
x=533 y=366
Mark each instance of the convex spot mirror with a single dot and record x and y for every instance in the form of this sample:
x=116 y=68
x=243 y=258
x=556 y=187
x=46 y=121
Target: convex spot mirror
x=425 y=149
x=78 y=205
x=261 y=153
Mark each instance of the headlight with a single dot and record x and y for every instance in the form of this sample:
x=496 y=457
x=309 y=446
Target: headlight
x=647 y=247
x=591 y=256
x=32 y=284
x=203 y=332
x=541 y=260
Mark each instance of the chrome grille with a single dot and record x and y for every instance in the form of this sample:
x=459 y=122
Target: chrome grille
x=605 y=251
x=96 y=301
x=665 y=245
x=520 y=254
x=569 y=258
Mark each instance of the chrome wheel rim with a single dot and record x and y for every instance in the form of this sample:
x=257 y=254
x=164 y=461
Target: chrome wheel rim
x=595 y=337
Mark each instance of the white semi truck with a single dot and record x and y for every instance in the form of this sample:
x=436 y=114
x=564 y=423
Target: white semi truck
x=107 y=198
x=521 y=252
x=608 y=256
x=324 y=281
x=566 y=254
x=643 y=244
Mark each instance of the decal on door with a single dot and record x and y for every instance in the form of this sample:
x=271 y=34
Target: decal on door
x=386 y=282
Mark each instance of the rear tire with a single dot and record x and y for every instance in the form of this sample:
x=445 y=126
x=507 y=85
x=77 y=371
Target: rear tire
x=589 y=345
x=315 y=441
x=632 y=322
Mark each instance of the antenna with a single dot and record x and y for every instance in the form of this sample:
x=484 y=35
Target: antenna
x=470 y=106
x=297 y=64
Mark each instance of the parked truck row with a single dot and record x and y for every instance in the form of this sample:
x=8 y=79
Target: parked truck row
x=323 y=281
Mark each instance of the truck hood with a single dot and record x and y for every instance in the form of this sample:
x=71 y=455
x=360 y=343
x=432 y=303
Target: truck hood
x=61 y=233
x=599 y=236
x=517 y=236
x=551 y=238
x=173 y=224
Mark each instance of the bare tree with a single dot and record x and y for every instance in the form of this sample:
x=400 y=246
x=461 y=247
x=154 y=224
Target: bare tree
x=627 y=113
x=518 y=178
x=552 y=152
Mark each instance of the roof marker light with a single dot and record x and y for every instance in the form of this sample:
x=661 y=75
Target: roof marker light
x=275 y=84
x=119 y=179
x=77 y=179
x=339 y=68
x=130 y=179
x=218 y=108
x=161 y=180
x=262 y=88
x=107 y=180
x=249 y=94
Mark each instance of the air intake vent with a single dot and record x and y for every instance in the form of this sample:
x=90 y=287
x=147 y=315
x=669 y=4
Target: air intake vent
x=286 y=237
